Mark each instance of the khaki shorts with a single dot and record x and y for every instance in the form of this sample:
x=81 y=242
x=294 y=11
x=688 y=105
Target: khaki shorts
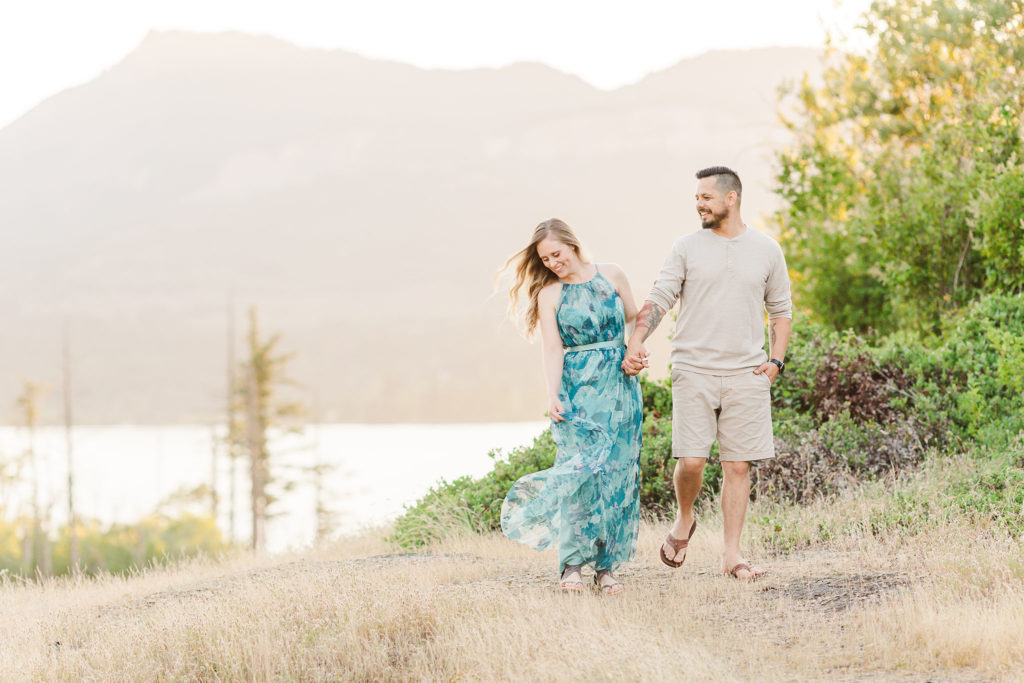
x=735 y=409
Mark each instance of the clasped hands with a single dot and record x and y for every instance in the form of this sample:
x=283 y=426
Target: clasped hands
x=636 y=359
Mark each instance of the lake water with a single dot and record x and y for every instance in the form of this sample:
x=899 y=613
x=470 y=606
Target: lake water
x=123 y=472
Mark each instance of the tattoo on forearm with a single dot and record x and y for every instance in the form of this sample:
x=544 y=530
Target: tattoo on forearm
x=772 y=337
x=649 y=317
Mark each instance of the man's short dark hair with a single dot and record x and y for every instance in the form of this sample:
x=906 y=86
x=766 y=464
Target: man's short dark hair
x=726 y=179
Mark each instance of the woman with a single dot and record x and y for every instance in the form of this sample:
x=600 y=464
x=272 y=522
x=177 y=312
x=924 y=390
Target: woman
x=588 y=502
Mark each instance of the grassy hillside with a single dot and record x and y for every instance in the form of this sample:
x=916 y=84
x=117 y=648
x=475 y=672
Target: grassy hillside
x=937 y=601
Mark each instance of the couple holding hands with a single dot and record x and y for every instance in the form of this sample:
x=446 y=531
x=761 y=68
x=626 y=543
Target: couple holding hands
x=726 y=277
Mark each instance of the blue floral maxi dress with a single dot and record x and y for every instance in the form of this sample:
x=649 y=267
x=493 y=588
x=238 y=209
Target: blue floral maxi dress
x=588 y=502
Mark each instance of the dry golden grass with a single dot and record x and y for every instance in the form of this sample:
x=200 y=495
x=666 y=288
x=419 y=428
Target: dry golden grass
x=942 y=605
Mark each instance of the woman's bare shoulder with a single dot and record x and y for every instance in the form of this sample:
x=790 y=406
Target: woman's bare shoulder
x=549 y=292
x=614 y=273
x=611 y=269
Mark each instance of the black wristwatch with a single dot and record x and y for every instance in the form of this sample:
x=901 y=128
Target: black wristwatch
x=779 y=364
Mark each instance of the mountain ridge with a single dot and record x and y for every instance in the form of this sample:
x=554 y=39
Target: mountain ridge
x=366 y=212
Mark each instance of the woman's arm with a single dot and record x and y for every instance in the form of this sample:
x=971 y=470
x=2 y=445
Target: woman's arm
x=551 y=347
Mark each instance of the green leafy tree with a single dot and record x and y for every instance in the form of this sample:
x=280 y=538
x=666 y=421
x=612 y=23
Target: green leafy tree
x=172 y=531
x=903 y=188
x=155 y=539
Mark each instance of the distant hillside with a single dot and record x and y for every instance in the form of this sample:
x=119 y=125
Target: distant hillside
x=362 y=205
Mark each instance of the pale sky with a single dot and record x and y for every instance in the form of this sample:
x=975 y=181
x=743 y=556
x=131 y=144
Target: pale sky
x=49 y=45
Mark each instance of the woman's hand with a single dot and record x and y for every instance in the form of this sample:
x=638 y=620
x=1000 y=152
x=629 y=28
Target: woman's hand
x=555 y=410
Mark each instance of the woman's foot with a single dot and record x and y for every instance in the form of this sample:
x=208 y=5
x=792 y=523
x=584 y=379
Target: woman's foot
x=606 y=581
x=572 y=577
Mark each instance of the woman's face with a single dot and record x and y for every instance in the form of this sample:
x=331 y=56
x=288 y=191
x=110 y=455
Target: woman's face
x=559 y=257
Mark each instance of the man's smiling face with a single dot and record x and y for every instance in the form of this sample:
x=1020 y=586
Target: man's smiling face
x=712 y=204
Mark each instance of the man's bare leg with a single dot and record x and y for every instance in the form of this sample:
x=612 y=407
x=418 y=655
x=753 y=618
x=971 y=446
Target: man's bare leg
x=735 y=494
x=687 y=479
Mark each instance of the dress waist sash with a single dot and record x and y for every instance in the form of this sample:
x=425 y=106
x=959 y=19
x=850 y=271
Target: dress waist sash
x=614 y=343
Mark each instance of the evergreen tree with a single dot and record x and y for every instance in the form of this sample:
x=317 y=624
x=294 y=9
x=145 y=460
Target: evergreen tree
x=261 y=410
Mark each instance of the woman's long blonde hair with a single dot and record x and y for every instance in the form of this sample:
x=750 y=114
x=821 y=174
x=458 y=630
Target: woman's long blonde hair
x=530 y=272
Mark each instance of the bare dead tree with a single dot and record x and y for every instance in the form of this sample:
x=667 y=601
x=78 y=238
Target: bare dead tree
x=230 y=437
x=74 y=549
x=257 y=458
x=36 y=552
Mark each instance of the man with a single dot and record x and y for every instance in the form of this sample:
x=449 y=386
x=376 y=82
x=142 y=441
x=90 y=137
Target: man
x=725 y=276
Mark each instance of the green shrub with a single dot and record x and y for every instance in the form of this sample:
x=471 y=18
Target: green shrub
x=853 y=408
x=120 y=548
x=982 y=358
x=856 y=407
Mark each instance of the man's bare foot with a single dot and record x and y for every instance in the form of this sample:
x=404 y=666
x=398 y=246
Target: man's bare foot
x=680 y=531
x=740 y=569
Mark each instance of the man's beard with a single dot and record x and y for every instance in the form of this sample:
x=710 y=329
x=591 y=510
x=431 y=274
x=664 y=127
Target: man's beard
x=711 y=220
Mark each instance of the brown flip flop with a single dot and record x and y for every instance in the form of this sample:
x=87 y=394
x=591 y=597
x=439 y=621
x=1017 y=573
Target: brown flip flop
x=677 y=545
x=740 y=567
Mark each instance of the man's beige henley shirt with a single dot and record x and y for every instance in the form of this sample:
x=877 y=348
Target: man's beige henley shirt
x=724 y=286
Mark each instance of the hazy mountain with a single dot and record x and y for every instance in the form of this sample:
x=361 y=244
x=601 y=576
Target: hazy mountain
x=362 y=205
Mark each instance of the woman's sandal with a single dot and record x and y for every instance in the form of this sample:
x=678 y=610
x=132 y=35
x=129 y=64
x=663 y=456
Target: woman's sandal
x=573 y=585
x=609 y=588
